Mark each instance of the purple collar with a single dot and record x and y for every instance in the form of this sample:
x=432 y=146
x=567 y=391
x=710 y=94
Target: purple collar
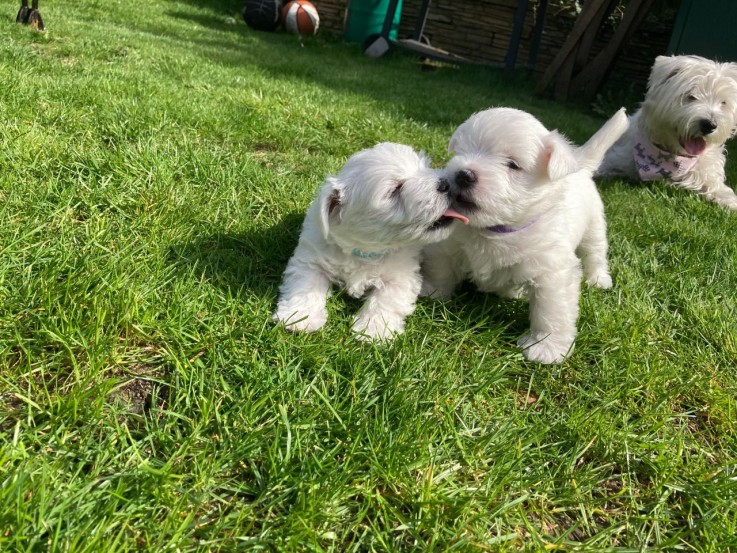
x=655 y=164
x=504 y=229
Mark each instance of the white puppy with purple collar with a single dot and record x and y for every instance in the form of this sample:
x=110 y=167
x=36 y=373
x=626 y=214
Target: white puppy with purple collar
x=678 y=135
x=534 y=215
x=365 y=231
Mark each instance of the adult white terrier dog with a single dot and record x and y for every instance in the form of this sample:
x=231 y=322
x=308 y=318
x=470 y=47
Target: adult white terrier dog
x=689 y=112
x=365 y=230
x=532 y=207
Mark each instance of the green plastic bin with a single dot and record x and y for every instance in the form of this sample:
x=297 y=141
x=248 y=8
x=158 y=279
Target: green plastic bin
x=366 y=18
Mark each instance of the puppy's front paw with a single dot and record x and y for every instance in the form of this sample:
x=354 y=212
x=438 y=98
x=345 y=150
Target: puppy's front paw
x=545 y=348
x=379 y=327
x=600 y=279
x=300 y=319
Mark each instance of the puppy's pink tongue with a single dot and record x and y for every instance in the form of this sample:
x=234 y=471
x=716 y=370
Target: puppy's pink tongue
x=455 y=215
x=694 y=146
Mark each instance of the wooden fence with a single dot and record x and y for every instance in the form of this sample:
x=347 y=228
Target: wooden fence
x=480 y=30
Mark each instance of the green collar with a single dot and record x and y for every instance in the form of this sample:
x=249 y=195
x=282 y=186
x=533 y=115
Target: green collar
x=368 y=256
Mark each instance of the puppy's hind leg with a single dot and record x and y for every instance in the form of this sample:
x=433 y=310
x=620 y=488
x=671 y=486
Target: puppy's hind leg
x=302 y=297
x=593 y=253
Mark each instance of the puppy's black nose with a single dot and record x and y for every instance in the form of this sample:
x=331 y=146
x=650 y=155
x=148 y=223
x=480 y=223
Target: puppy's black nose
x=706 y=126
x=465 y=178
x=443 y=186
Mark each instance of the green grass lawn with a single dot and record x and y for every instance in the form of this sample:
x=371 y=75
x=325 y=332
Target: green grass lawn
x=156 y=160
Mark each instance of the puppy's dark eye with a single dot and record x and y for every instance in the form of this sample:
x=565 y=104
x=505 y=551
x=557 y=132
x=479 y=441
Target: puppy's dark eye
x=690 y=98
x=398 y=184
x=513 y=165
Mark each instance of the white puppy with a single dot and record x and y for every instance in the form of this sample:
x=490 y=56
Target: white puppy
x=532 y=207
x=689 y=112
x=365 y=231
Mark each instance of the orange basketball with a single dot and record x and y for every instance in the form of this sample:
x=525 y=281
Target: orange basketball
x=300 y=17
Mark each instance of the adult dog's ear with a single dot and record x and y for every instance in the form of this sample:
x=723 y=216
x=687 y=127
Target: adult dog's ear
x=557 y=159
x=331 y=198
x=730 y=69
x=664 y=68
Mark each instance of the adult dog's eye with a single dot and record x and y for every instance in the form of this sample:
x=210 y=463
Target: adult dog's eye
x=691 y=98
x=513 y=165
x=398 y=184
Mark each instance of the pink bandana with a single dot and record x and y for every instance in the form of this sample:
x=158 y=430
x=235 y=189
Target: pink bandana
x=656 y=164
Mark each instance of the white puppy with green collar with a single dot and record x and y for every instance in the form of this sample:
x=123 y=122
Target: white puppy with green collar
x=534 y=216
x=365 y=231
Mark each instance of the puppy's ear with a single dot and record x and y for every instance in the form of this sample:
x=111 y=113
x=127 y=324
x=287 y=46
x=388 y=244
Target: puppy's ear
x=455 y=140
x=452 y=144
x=557 y=159
x=331 y=199
x=425 y=160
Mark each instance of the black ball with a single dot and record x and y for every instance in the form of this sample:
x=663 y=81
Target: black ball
x=262 y=15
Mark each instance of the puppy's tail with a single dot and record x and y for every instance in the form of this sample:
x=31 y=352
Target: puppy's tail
x=590 y=154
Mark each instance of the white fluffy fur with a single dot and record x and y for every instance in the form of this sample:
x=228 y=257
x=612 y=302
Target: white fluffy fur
x=526 y=174
x=682 y=92
x=365 y=231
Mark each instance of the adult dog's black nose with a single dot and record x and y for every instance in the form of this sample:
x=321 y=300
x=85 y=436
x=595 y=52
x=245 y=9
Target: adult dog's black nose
x=443 y=186
x=465 y=178
x=707 y=126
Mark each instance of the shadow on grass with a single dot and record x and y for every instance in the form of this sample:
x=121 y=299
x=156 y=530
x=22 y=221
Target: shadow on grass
x=427 y=98
x=253 y=260
x=218 y=6
x=483 y=312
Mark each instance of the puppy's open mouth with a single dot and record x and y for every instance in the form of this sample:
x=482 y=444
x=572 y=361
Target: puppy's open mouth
x=447 y=218
x=694 y=146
